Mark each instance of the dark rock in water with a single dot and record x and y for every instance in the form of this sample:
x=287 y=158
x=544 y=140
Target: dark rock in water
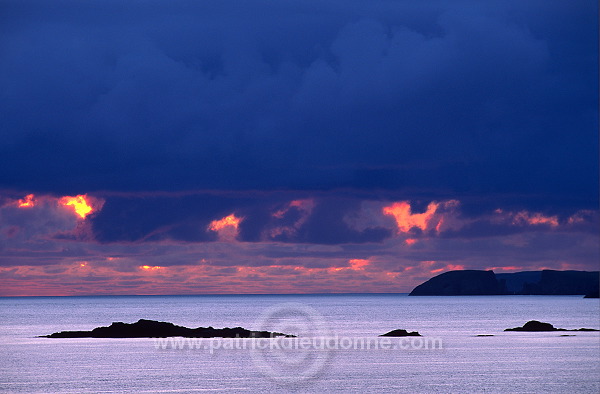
x=484 y=335
x=401 y=333
x=546 y=282
x=452 y=283
x=536 y=326
x=156 y=329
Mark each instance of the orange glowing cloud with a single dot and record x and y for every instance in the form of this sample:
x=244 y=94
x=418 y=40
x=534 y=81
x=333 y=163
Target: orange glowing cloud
x=26 y=202
x=150 y=267
x=227 y=227
x=79 y=203
x=437 y=216
x=230 y=220
x=405 y=219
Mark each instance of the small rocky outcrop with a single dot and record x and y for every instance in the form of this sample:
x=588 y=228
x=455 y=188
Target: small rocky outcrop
x=537 y=326
x=534 y=325
x=401 y=333
x=157 y=329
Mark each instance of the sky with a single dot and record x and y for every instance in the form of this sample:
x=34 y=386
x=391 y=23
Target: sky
x=297 y=146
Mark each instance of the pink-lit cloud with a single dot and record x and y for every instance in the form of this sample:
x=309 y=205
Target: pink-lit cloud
x=448 y=267
x=49 y=249
x=303 y=208
x=583 y=217
x=525 y=218
x=36 y=218
x=81 y=204
x=26 y=202
x=305 y=205
x=227 y=227
x=432 y=218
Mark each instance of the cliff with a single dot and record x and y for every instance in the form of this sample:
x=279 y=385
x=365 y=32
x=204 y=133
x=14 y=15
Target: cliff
x=468 y=282
x=546 y=282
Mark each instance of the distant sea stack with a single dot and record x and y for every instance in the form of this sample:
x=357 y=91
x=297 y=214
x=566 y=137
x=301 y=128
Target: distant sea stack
x=538 y=326
x=401 y=333
x=546 y=282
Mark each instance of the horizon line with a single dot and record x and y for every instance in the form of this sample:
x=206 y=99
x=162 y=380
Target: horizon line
x=194 y=295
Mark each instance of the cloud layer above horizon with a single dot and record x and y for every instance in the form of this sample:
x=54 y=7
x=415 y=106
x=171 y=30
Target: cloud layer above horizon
x=301 y=146
x=207 y=243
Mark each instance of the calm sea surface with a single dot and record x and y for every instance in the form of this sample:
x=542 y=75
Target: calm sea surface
x=331 y=360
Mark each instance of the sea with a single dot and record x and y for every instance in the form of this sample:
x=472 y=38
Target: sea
x=337 y=347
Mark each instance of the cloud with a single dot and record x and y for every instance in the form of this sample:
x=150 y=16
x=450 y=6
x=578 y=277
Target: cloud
x=206 y=217
x=127 y=233
x=227 y=227
x=300 y=96
x=39 y=218
x=330 y=132
x=430 y=220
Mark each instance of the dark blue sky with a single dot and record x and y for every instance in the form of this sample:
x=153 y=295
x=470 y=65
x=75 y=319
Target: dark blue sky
x=175 y=113
x=448 y=97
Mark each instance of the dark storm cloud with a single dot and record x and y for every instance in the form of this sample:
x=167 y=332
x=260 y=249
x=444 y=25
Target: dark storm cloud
x=263 y=218
x=325 y=218
x=327 y=225
x=154 y=218
x=495 y=98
